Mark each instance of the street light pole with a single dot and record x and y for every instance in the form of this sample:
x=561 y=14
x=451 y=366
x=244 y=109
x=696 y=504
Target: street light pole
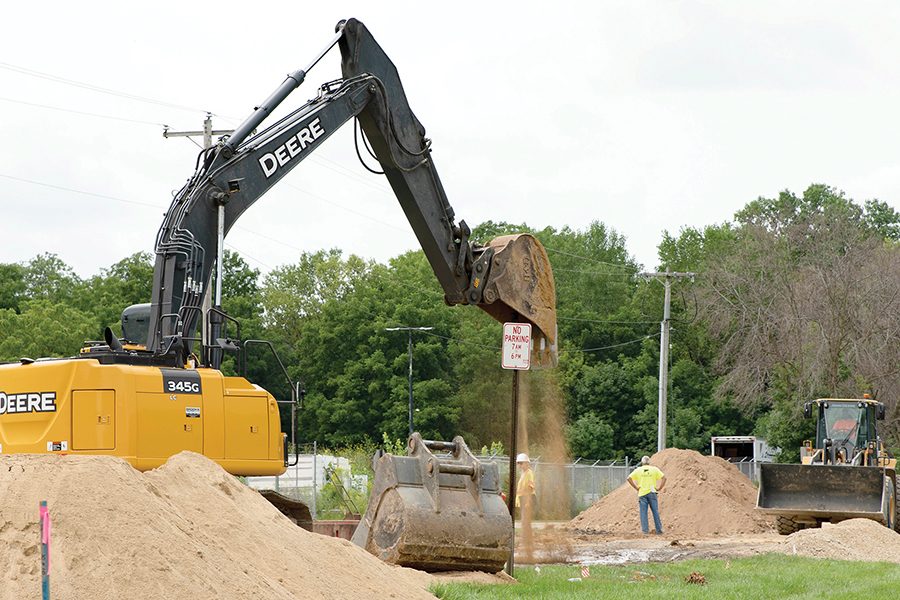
x=409 y=330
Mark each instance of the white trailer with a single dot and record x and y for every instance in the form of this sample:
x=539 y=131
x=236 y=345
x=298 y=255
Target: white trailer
x=741 y=448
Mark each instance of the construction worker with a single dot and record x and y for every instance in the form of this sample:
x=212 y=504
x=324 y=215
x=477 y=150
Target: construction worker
x=525 y=501
x=648 y=480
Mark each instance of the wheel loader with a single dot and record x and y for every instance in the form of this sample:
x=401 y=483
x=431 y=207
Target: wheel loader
x=845 y=473
x=160 y=390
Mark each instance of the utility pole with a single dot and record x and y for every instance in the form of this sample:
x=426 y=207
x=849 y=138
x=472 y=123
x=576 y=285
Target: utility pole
x=410 y=330
x=208 y=132
x=666 y=278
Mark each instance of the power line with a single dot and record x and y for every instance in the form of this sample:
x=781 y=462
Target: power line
x=341 y=170
x=350 y=210
x=612 y=321
x=263 y=264
x=238 y=227
x=628 y=343
x=93 y=88
x=462 y=341
x=242 y=253
x=81 y=112
x=74 y=191
x=625 y=277
x=596 y=260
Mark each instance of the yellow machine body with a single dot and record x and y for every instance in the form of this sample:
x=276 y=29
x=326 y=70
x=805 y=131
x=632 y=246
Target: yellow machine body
x=846 y=473
x=142 y=414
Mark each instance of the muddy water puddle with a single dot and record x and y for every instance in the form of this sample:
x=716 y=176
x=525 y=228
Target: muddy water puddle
x=558 y=548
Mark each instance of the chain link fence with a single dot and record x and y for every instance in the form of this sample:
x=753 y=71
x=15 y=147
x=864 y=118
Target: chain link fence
x=748 y=467
x=563 y=490
x=309 y=473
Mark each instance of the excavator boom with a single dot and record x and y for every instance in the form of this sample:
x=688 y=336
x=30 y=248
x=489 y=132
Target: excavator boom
x=510 y=278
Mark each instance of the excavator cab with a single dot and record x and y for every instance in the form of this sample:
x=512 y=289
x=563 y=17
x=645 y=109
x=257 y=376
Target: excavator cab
x=136 y=323
x=437 y=509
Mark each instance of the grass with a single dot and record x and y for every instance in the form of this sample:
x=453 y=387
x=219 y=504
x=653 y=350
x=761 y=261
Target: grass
x=771 y=576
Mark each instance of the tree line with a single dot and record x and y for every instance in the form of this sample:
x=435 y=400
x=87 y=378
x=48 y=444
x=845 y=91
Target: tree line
x=797 y=297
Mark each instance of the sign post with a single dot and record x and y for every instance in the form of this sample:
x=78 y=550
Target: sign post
x=517 y=357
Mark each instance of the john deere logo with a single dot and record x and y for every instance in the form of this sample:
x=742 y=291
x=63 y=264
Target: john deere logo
x=271 y=161
x=27 y=403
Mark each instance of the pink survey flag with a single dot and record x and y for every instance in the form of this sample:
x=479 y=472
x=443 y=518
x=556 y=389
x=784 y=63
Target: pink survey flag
x=45 y=531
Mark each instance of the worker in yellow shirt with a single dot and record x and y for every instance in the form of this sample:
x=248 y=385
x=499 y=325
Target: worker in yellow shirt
x=648 y=480
x=525 y=500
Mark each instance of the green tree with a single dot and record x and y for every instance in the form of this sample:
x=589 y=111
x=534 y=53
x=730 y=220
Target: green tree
x=882 y=219
x=590 y=437
x=797 y=303
x=47 y=277
x=128 y=281
x=12 y=285
x=43 y=329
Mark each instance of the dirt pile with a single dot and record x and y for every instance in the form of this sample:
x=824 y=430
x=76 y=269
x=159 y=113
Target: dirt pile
x=186 y=531
x=704 y=496
x=856 y=539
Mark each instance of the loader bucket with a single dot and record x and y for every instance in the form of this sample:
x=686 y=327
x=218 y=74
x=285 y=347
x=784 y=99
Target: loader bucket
x=822 y=492
x=437 y=512
x=521 y=286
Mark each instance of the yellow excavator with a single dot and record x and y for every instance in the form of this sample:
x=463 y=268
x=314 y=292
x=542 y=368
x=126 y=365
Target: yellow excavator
x=160 y=390
x=845 y=473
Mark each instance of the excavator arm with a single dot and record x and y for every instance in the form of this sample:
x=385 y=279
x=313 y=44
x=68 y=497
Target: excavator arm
x=510 y=278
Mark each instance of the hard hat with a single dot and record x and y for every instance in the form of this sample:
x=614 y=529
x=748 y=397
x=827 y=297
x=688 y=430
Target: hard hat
x=522 y=458
x=645 y=460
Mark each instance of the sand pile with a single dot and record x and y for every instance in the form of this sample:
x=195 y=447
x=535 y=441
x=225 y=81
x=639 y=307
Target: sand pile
x=856 y=539
x=704 y=496
x=186 y=531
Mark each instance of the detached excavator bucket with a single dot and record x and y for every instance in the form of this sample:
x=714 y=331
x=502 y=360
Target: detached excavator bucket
x=521 y=286
x=822 y=492
x=437 y=512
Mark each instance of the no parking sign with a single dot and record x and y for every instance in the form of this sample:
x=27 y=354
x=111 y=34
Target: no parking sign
x=516 y=346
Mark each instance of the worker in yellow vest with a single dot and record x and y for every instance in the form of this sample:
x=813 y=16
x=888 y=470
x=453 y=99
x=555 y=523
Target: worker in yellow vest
x=525 y=501
x=648 y=480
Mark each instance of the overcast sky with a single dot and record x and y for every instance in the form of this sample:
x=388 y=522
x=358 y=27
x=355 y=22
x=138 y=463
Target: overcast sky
x=647 y=116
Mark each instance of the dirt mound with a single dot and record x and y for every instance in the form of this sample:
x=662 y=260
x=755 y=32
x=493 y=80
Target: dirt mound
x=186 y=531
x=856 y=539
x=704 y=496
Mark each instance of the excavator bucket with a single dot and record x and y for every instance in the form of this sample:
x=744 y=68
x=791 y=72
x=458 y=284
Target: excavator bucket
x=816 y=493
x=437 y=512
x=520 y=286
